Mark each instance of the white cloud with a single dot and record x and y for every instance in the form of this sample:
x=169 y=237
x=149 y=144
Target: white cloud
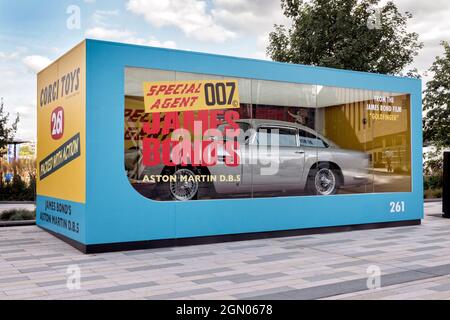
x=190 y=16
x=107 y=34
x=17 y=100
x=36 y=63
x=100 y=16
x=8 y=56
x=262 y=41
x=247 y=16
x=430 y=21
x=126 y=36
x=151 y=42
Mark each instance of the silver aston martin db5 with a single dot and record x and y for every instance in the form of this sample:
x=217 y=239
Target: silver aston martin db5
x=275 y=157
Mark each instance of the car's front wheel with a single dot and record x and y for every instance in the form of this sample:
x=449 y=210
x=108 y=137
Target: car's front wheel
x=323 y=181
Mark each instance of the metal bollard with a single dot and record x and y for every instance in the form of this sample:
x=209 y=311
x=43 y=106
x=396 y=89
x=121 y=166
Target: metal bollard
x=446 y=186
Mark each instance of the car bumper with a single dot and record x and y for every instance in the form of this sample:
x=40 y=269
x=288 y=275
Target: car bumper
x=356 y=179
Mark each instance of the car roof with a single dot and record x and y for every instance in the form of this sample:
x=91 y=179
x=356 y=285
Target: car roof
x=261 y=122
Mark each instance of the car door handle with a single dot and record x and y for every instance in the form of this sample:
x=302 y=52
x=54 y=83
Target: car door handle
x=300 y=152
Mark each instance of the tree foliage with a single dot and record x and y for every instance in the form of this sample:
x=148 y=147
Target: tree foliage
x=436 y=102
x=7 y=130
x=339 y=34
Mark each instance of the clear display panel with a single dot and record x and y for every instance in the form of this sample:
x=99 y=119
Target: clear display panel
x=195 y=136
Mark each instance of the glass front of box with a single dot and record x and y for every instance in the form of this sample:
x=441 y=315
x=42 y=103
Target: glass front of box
x=219 y=137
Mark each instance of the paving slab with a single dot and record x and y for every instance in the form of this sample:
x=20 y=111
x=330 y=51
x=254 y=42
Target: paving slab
x=413 y=263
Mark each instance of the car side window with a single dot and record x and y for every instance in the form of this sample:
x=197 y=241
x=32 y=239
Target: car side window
x=284 y=137
x=311 y=140
x=244 y=134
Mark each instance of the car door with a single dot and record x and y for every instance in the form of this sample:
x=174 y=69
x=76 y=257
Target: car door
x=241 y=174
x=310 y=144
x=277 y=159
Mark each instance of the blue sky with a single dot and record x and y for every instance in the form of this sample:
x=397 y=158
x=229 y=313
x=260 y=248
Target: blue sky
x=33 y=33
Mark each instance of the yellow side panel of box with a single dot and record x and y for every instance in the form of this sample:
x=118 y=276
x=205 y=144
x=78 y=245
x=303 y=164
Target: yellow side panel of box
x=61 y=130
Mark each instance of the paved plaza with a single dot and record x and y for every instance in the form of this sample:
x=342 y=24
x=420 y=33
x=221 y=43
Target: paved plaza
x=414 y=263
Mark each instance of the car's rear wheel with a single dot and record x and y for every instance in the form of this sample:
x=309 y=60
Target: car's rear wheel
x=323 y=180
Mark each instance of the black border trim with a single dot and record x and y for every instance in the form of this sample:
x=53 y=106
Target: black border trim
x=77 y=245
x=164 y=243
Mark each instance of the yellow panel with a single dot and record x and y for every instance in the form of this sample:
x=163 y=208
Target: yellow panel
x=172 y=96
x=61 y=129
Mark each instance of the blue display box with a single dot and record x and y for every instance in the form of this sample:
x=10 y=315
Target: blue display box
x=85 y=197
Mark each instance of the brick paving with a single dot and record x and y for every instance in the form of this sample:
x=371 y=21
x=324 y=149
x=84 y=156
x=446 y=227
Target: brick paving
x=414 y=264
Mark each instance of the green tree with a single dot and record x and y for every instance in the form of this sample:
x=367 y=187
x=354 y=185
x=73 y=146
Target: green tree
x=25 y=151
x=436 y=102
x=345 y=34
x=7 y=130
